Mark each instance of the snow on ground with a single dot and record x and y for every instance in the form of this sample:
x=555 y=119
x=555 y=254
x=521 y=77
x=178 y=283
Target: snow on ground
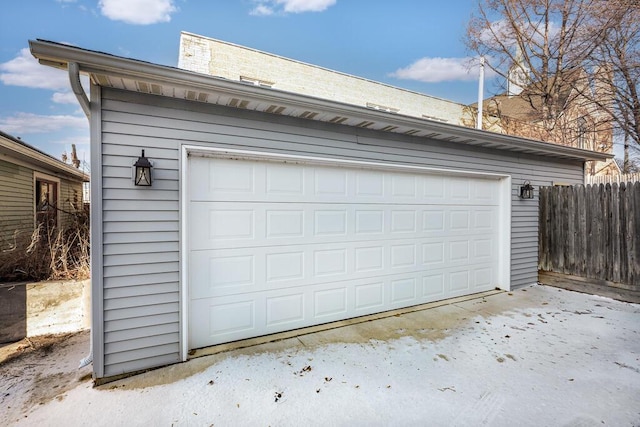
x=566 y=359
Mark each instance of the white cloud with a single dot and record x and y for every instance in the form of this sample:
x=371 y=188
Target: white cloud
x=64 y=98
x=262 y=10
x=270 y=7
x=502 y=33
x=138 y=12
x=497 y=30
x=434 y=70
x=79 y=141
x=24 y=70
x=298 y=6
x=28 y=123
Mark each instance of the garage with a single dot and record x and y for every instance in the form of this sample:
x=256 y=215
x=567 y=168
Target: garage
x=266 y=211
x=279 y=243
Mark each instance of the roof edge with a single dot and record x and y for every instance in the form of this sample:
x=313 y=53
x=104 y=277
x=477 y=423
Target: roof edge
x=59 y=55
x=22 y=148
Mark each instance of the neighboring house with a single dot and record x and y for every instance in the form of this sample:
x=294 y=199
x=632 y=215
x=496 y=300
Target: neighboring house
x=511 y=114
x=238 y=63
x=270 y=211
x=34 y=188
x=581 y=124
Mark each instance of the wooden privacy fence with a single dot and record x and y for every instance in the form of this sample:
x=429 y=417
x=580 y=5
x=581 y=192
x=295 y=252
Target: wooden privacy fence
x=591 y=231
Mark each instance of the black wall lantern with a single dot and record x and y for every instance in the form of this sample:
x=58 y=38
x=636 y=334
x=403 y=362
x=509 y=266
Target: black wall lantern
x=142 y=171
x=526 y=191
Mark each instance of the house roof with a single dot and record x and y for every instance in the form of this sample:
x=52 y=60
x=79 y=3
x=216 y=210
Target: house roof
x=527 y=106
x=139 y=76
x=514 y=106
x=19 y=149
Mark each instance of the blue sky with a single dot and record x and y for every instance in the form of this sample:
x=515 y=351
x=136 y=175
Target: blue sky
x=414 y=44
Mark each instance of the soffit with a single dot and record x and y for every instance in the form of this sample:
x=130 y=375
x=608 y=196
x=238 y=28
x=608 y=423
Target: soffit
x=138 y=76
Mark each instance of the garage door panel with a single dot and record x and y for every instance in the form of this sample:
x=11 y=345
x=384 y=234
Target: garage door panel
x=483 y=250
x=403 y=255
x=433 y=253
x=284 y=223
x=285 y=311
x=241 y=180
x=464 y=190
x=403 y=291
x=329 y=262
x=483 y=278
x=433 y=285
x=369 y=297
x=459 y=220
x=218 y=225
x=484 y=220
x=284 y=266
x=330 y=303
x=220 y=320
x=221 y=223
x=228 y=179
x=369 y=184
x=278 y=246
x=243 y=316
x=242 y=270
x=329 y=221
x=228 y=273
x=459 y=282
x=459 y=190
x=433 y=221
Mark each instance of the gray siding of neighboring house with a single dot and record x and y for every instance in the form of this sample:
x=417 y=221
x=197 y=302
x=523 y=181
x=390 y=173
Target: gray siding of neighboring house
x=69 y=201
x=17 y=203
x=141 y=277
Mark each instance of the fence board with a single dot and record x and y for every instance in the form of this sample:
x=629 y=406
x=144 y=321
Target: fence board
x=614 y=224
x=591 y=232
x=624 y=247
x=634 y=275
x=581 y=224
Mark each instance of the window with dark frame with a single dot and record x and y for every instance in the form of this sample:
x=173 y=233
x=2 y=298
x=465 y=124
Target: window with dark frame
x=46 y=202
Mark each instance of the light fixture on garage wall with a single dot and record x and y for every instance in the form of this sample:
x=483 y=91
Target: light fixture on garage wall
x=142 y=171
x=526 y=190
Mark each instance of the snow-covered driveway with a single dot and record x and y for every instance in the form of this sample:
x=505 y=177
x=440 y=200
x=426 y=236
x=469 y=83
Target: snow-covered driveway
x=539 y=356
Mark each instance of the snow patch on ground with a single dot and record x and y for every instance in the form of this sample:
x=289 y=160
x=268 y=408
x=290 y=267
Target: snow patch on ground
x=571 y=360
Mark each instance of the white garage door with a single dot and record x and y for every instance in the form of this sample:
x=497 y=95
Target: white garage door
x=275 y=246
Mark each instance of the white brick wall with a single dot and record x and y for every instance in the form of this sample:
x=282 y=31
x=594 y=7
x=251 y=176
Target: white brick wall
x=222 y=59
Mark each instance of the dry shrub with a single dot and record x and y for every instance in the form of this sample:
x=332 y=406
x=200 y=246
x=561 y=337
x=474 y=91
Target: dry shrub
x=49 y=253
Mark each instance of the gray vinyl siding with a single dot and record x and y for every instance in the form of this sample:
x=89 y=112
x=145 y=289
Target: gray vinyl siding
x=16 y=202
x=141 y=230
x=70 y=201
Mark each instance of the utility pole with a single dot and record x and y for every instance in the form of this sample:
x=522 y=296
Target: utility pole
x=480 y=93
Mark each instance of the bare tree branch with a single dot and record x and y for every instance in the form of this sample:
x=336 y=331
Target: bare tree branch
x=582 y=62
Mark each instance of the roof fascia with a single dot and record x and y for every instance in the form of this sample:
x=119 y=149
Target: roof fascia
x=40 y=159
x=59 y=55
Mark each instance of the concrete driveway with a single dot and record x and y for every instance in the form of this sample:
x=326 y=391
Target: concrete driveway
x=535 y=356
